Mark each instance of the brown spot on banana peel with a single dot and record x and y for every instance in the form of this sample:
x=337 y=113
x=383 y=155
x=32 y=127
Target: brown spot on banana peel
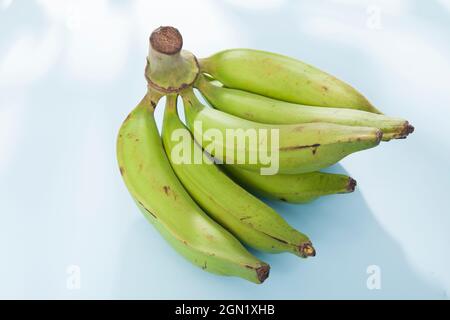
x=148 y=211
x=306 y=249
x=122 y=171
x=169 y=192
x=166 y=190
x=379 y=136
x=314 y=146
x=275 y=238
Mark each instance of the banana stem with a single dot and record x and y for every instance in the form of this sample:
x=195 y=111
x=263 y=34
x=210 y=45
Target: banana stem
x=190 y=100
x=202 y=82
x=171 y=102
x=169 y=69
x=153 y=98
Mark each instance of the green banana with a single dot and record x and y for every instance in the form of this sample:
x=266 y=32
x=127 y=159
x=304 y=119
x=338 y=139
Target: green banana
x=259 y=108
x=248 y=218
x=282 y=78
x=167 y=205
x=301 y=147
x=268 y=128
x=293 y=188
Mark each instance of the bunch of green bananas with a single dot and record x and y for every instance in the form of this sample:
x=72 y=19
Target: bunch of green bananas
x=203 y=209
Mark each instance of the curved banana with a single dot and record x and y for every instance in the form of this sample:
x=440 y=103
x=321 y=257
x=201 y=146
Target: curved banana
x=167 y=205
x=259 y=108
x=293 y=188
x=248 y=218
x=301 y=147
x=282 y=78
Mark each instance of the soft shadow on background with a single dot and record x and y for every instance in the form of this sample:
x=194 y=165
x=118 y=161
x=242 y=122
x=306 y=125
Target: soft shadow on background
x=64 y=94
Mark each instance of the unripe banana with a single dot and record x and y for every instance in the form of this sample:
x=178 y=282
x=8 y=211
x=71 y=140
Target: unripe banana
x=167 y=205
x=293 y=188
x=248 y=218
x=258 y=108
x=283 y=78
x=301 y=147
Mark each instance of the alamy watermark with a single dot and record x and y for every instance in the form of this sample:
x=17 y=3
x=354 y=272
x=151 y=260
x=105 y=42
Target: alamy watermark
x=73 y=280
x=237 y=146
x=373 y=281
x=373 y=21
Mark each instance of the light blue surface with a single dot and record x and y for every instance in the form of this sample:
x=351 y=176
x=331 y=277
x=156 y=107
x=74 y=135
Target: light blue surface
x=71 y=71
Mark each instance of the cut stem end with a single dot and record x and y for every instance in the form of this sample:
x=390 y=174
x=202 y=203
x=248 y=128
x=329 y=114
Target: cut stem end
x=167 y=40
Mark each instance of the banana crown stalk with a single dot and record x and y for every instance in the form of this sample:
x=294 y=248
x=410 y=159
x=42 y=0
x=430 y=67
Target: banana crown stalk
x=169 y=69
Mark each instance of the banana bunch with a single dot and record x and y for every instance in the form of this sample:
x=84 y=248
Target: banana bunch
x=271 y=124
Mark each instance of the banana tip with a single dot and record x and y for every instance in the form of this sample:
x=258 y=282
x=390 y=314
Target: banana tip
x=407 y=130
x=307 y=250
x=351 y=185
x=263 y=273
x=379 y=136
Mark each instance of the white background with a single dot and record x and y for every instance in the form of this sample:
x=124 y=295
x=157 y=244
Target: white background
x=70 y=71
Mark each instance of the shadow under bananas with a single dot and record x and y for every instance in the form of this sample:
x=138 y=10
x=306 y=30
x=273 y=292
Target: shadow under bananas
x=350 y=244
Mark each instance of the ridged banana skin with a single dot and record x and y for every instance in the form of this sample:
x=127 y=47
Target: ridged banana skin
x=167 y=205
x=292 y=188
x=283 y=78
x=248 y=218
x=302 y=147
x=259 y=108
